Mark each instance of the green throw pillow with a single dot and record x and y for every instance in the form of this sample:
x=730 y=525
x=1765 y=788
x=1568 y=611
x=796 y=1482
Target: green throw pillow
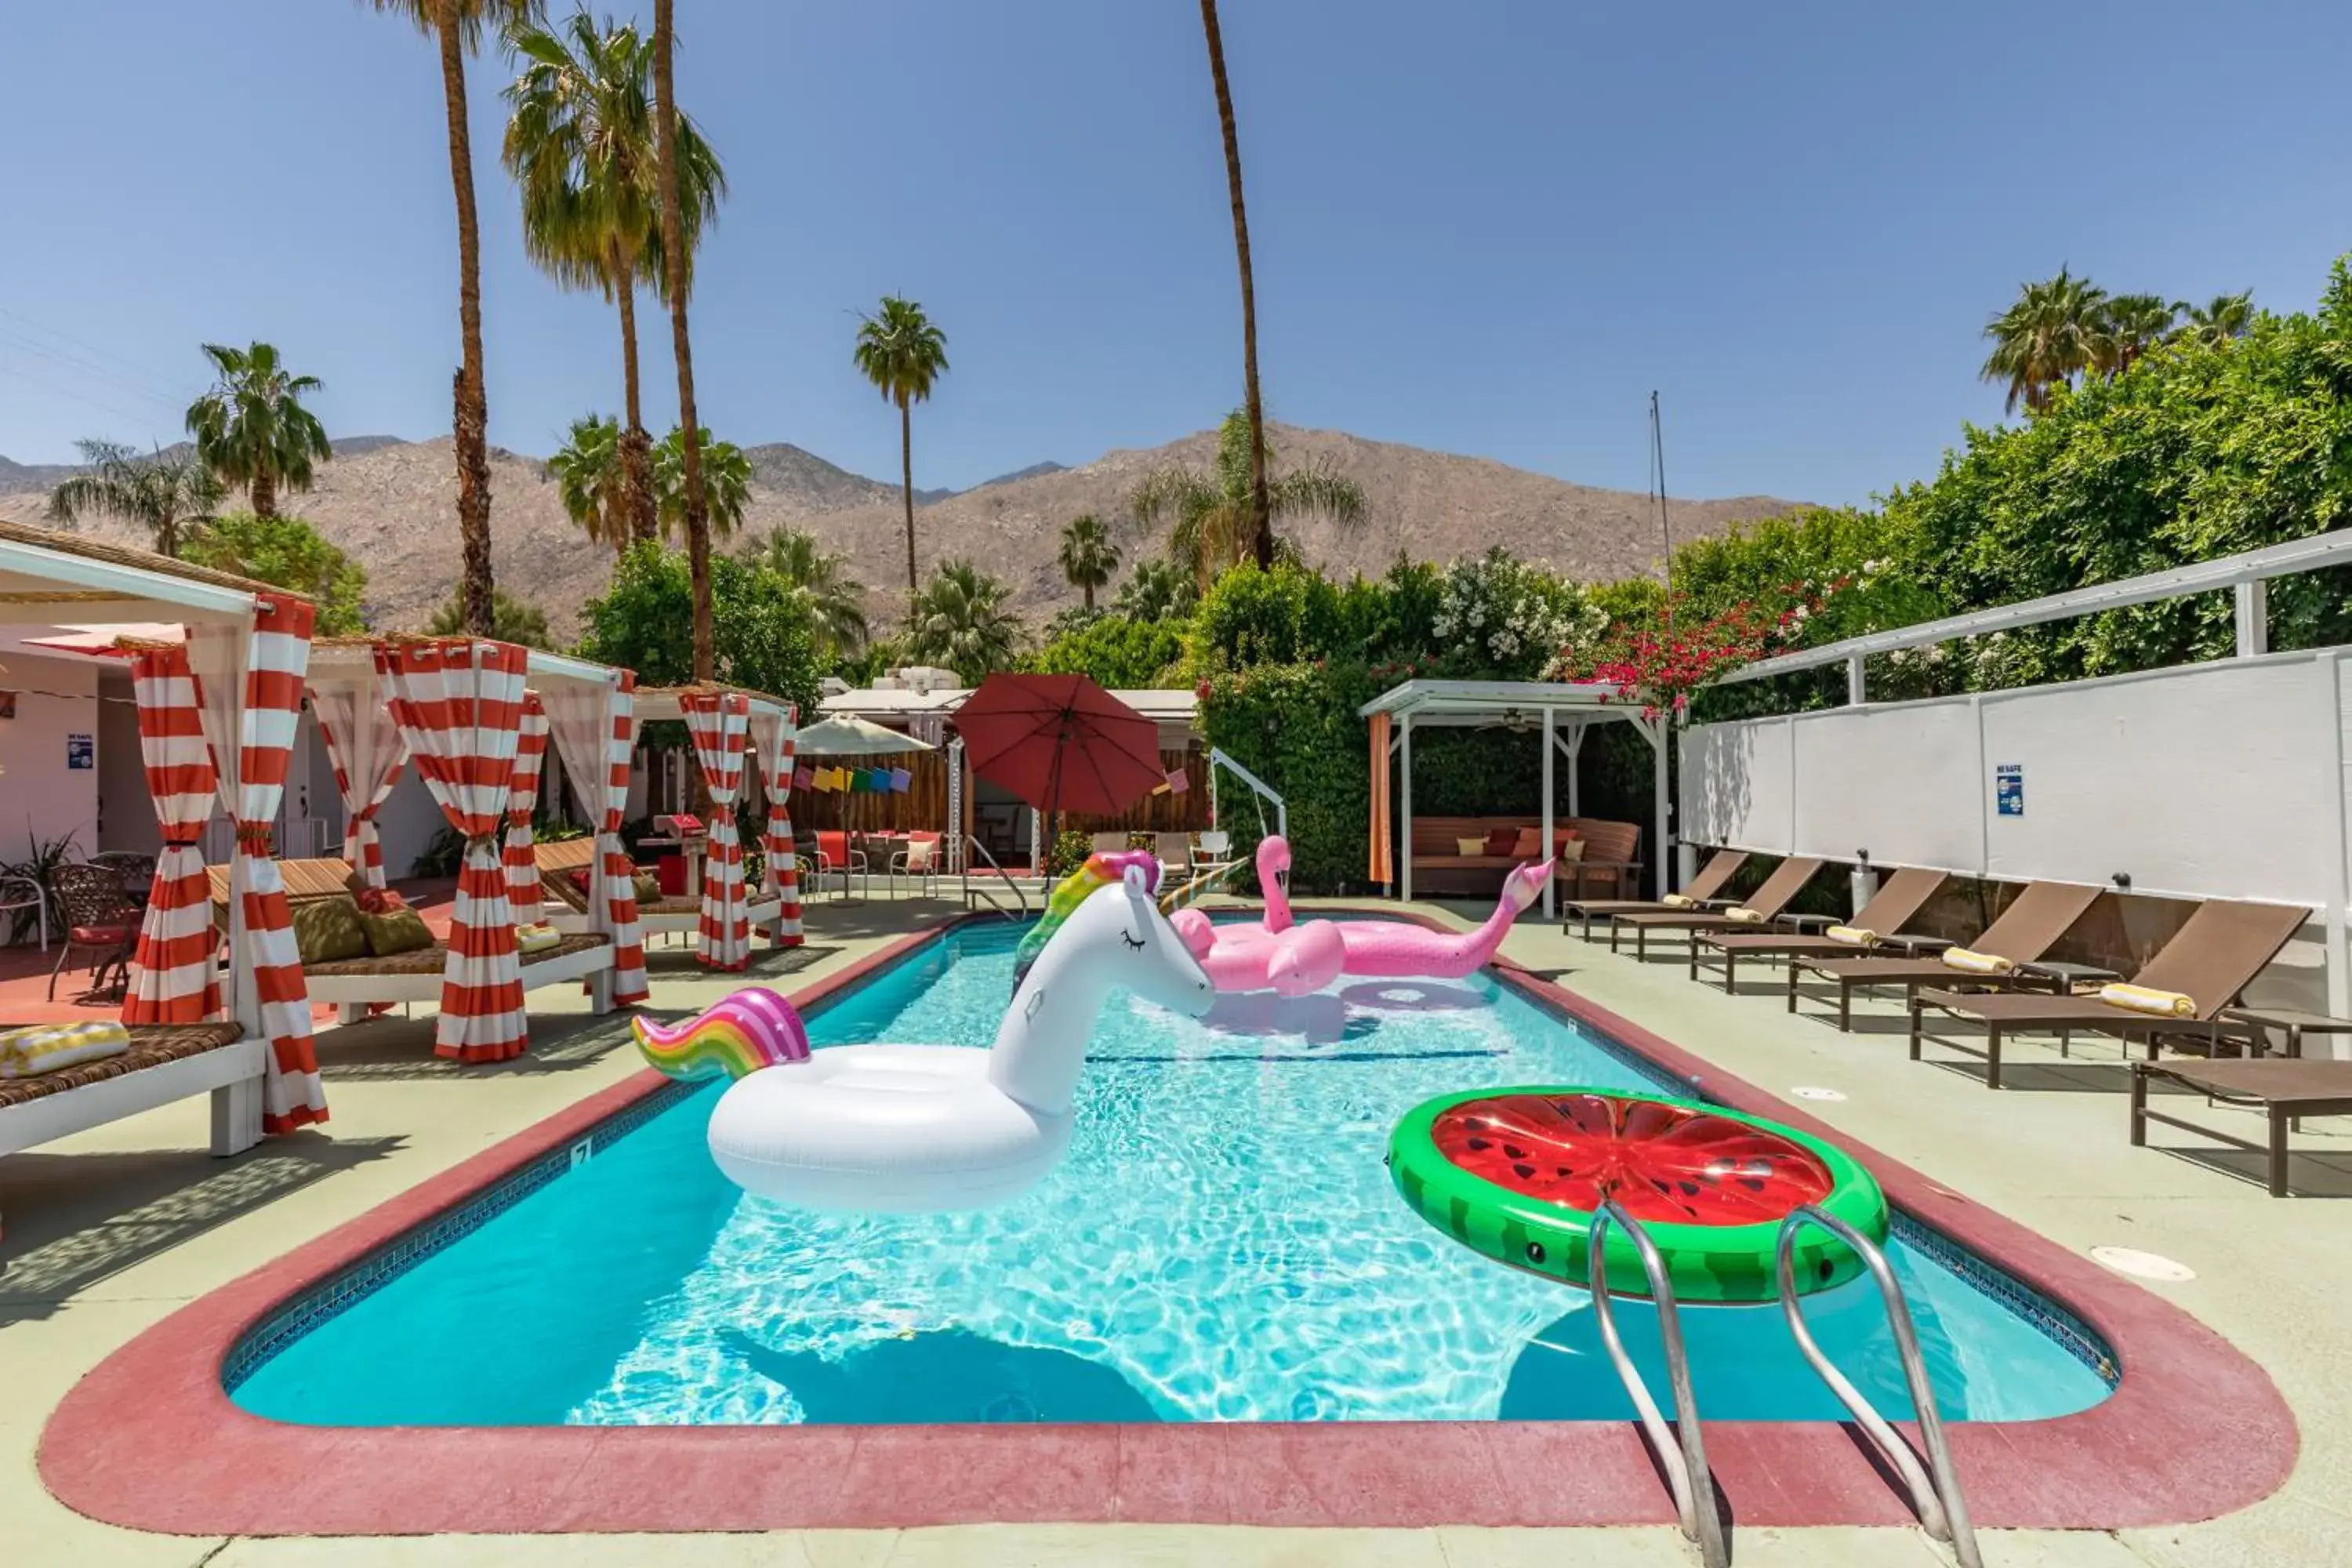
x=649 y=887
x=327 y=931
x=396 y=931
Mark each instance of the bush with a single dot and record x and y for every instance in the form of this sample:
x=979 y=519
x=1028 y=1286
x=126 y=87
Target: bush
x=645 y=622
x=1118 y=652
x=291 y=553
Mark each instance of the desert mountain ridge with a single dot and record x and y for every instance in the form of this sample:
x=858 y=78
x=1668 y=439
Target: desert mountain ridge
x=391 y=504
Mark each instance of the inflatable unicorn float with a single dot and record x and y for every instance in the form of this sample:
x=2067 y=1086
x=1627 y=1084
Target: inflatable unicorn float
x=913 y=1129
x=1292 y=958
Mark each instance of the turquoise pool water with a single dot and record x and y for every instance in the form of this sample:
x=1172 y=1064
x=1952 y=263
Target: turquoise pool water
x=1223 y=1244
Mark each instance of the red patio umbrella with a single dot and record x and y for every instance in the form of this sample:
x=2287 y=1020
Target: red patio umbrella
x=1060 y=743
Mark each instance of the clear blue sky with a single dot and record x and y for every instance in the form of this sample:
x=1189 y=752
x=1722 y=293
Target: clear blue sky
x=1489 y=228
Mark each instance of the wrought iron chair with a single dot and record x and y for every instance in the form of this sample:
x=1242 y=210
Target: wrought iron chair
x=23 y=893
x=101 y=922
x=137 y=870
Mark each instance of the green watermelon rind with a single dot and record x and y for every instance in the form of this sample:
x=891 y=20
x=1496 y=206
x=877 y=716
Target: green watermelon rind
x=1724 y=1265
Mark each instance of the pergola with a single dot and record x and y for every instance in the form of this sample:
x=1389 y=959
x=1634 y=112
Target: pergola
x=1558 y=713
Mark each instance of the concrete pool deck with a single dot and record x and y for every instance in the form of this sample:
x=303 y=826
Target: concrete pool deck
x=111 y=1231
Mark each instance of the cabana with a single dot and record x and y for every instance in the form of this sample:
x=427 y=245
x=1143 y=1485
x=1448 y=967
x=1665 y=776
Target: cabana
x=217 y=718
x=728 y=724
x=1558 y=713
x=476 y=717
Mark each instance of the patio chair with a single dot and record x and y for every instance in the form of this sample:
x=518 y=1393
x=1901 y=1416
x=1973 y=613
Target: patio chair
x=1213 y=851
x=24 y=893
x=2029 y=928
x=2285 y=1090
x=2210 y=960
x=917 y=859
x=101 y=923
x=1702 y=893
x=1108 y=843
x=1764 y=906
x=137 y=870
x=1175 y=852
x=1897 y=901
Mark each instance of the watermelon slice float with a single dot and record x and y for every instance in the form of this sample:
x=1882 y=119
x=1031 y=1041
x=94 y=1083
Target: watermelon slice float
x=1516 y=1174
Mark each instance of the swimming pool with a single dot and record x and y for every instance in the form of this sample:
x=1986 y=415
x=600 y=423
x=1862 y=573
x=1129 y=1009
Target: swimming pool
x=1222 y=1244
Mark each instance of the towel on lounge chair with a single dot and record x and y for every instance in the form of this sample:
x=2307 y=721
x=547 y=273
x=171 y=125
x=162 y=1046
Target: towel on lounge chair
x=1743 y=915
x=2149 y=1000
x=1679 y=902
x=1969 y=963
x=1855 y=934
x=536 y=937
x=52 y=1048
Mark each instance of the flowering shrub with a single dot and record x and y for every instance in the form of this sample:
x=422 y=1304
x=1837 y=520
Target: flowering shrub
x=1659 y=664
x=1509 y=614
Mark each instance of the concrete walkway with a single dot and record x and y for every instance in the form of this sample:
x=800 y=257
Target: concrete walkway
x=113 y=1231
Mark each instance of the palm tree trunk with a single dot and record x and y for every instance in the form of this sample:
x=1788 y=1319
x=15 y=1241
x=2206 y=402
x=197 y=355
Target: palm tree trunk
x=1261 y=509
x=907 y=494
x=471 y=429
x=1088 y=590
x=263 y=494
x=698 y=518
x=636 y=448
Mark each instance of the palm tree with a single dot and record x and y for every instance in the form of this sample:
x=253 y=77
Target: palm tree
x=1260 y=520
x=251 y=430
x=458 y=27
x=587 y=468
x=1160 y=590
x=165 y=496
x=2049 y=336
x=726 y=483
x=1088 y=557
x=833 y=601
x=902 y=354
x=959 y=621
x=2227 y=316
x=579 y=144
x=2130 y=326
x=1211 y=511
x=673 y=242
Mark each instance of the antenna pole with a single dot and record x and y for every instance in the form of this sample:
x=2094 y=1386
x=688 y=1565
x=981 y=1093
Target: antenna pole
x=1665 y=531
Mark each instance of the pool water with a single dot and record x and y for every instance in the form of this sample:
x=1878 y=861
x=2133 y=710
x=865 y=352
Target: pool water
x=1222 y=1244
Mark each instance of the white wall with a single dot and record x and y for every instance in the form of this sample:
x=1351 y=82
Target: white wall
x=2218 y=780
x=125 y=809
x=41 y=797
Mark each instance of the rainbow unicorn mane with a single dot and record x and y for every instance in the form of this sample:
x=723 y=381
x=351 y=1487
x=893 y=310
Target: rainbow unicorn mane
x=752 y=1029
x=1102 y=869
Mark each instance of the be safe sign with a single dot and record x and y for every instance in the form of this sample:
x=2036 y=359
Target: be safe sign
x=2009 y=789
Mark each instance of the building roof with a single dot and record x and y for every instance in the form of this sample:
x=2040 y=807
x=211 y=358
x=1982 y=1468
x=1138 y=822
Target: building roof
x=1477 y=702
x=47 y=575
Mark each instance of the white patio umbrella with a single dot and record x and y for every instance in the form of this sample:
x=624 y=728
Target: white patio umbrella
x=849 y=736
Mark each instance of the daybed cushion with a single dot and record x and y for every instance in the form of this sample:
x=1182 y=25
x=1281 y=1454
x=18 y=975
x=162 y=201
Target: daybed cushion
x=327 y=930
x=1470 y=848
x=394 y=932
x=151 y=1044
x=38 y=1049
x=429 y=959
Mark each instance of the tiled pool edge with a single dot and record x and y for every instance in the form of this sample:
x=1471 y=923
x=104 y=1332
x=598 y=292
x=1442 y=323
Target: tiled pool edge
x=151 y=1440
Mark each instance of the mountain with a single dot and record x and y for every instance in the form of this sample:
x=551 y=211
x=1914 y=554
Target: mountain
x=393 y=504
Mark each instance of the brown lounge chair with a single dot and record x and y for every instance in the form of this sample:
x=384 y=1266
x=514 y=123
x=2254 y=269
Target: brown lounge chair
x=2211 y=959
x=2285 y=1090
x=2029 y=928
x=1786 y=879
x=1704 y=890
x=1895 y=905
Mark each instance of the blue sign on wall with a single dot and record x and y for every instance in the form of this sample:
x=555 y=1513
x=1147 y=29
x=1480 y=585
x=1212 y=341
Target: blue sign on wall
x=2009 y=789
x=81 y=755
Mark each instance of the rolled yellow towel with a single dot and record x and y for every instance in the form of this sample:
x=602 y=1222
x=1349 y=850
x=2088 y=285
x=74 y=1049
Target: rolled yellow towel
x=1743 y=915
x=1678 y=901
x=534 y=936
x=52 y=1048
x=1859 y=936
x=2148 y=999
x=1969 y=962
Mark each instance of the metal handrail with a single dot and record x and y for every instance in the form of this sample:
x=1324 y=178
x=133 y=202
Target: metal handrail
x=1019 y=892
x=1688 y=1476
x=1935 y=1491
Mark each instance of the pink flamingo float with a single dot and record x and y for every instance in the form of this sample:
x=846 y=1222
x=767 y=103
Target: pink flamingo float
x=1292 y=958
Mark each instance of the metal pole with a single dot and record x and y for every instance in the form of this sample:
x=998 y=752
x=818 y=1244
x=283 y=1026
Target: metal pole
x=1405 y=792
x=1543 y=845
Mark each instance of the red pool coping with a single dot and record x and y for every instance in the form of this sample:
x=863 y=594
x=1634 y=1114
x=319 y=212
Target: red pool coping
x=150 y=1440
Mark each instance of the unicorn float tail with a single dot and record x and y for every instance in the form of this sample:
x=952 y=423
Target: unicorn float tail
x=753 y=1028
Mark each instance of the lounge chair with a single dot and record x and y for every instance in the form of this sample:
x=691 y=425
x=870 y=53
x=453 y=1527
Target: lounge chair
x=1788 y=878
x=2029 y=928
x=2210 y=960
x=2284 y=1089
x=1896 y=902
x=166 y=1062
x=1703 y=892
x=1175 y=853
x=1108 y=843
x=562 y=863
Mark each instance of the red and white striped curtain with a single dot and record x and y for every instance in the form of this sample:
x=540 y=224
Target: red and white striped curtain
x=522 y=801
x=249 y=691
x=596 y=732
x=458 y=702
x=773 y=733
x=719 y=724
x=365 y=747
x=171 y=978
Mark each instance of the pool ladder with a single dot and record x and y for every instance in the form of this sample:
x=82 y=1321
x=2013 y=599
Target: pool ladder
x=1934 y=1488
x=1019 y=893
